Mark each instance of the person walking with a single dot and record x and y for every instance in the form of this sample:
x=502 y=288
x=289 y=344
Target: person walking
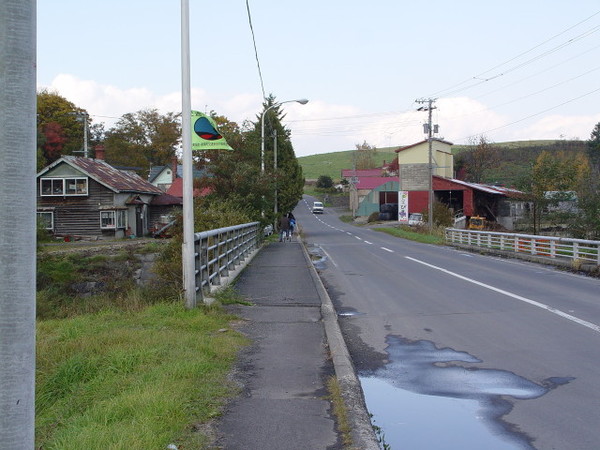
x=284 y=228
x=292 y=220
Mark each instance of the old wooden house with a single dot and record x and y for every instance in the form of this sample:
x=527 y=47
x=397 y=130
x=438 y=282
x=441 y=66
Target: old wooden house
x=90 y=198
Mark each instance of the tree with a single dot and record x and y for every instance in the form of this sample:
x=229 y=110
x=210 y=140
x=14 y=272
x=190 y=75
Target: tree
x=480 y=160
x=60 y=127
x=558 y=172
x=53 y=142
x=593 y=149
x=364 y=156
x=324 y=182
x=586 y=224
x=143 y=139
x=287 y=177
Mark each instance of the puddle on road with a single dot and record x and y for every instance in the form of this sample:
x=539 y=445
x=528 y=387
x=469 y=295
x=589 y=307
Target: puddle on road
x=422 y=399
x=317 y=257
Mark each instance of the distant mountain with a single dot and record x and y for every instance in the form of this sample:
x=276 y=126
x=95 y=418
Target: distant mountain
x=516 y=159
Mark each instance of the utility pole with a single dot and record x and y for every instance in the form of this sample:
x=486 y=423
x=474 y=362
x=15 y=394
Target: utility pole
x=429 y=108
x=17 y=222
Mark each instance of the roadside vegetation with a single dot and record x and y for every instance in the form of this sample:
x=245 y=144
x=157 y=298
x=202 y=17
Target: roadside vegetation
x=123 y=366
x=417 y=234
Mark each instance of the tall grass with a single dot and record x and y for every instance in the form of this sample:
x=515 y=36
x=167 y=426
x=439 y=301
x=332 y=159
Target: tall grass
x=132 y=379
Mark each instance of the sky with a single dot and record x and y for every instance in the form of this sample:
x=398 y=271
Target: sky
x=506 y=70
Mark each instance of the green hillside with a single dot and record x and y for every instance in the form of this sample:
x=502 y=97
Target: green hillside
x=332 y=164
x=516 y=159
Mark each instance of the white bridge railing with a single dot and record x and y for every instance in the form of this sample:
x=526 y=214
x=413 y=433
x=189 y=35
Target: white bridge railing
x=217 y=253
x=549 y=246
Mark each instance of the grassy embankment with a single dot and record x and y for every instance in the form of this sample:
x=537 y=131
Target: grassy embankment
x=128 y=367
x=332 y=164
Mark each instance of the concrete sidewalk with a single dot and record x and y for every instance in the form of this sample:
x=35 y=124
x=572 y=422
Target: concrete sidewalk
x=296 y=346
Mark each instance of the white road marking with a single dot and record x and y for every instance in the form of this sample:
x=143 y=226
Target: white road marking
x=329 y=257
x=367 y=242
x=548 y=308
x=387 y=249
x=360 y=239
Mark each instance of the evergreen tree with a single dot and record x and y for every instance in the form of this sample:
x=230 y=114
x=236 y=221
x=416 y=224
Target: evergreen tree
x=287 y=178
x=593 y=149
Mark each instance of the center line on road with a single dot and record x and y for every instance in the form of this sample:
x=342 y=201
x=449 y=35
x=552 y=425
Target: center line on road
x=548 y=308
x=367 y=242
x=360 y=239
x=387 y=249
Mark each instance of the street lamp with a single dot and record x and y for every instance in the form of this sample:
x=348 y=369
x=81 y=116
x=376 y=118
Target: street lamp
x=302 y=101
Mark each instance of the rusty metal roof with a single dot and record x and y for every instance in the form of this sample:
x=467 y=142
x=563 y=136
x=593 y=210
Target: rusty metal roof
x=105 y=174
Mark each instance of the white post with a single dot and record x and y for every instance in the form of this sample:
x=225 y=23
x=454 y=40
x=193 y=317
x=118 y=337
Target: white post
x=17 y=222
x=189 y=272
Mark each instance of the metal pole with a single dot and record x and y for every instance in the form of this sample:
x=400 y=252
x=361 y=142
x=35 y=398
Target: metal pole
x=17 y=222
x=85 y=135
x=188 y=254
x=275 y=173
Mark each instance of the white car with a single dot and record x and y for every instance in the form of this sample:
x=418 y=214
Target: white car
x=317 y=208
x=415 y=219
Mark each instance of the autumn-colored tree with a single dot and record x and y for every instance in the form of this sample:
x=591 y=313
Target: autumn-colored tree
x=364 y=156
x=54 y=141
x=67 y=127
x=477 y=162
x=143 y=139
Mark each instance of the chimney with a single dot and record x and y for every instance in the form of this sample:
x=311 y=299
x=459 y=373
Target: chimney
x=99 y=151
x=174 y=167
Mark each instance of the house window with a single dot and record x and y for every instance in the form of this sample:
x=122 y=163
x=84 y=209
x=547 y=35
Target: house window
x=46 y=218
x=63 y=186
x=110 y=220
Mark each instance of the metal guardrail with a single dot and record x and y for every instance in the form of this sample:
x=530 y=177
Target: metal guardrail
x=549 y=246
x=218 y=252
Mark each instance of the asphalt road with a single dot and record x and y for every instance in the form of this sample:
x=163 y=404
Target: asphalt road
x=533 y=321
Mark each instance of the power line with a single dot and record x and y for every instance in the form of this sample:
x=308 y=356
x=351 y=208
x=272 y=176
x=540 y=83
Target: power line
x=262 y=85
x=533 y=115
x=457 y=87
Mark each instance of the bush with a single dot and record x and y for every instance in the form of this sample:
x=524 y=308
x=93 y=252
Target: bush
x=324 y=182
x=442 y=215
x=207 y=216
x=373 y=217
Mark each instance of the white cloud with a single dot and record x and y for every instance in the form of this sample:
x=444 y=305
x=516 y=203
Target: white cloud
x=321 y=127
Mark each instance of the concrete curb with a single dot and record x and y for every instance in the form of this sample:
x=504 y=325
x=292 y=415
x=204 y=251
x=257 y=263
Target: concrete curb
x=363 y=435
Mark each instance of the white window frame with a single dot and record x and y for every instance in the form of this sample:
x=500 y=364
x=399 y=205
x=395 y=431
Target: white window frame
x=40 y=214
x=65 y=187
x=117 y=217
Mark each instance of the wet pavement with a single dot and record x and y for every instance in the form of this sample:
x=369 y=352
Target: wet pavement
x=424 y=398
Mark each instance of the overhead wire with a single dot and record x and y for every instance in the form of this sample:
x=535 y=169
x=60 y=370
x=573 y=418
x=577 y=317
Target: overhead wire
x=456 y=87
x=534 y=115
x=262 y=84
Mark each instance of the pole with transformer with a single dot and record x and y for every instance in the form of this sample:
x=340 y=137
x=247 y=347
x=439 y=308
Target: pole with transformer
x=429 y=108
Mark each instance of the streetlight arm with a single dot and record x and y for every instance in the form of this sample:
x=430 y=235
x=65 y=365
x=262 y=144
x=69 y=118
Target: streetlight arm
x=302 y=101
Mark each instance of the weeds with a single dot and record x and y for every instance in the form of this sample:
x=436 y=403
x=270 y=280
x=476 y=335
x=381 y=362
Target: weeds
x=339 y=410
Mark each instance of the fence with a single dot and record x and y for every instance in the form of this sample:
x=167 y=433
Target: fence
x=217 y=253
x=579 y=250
